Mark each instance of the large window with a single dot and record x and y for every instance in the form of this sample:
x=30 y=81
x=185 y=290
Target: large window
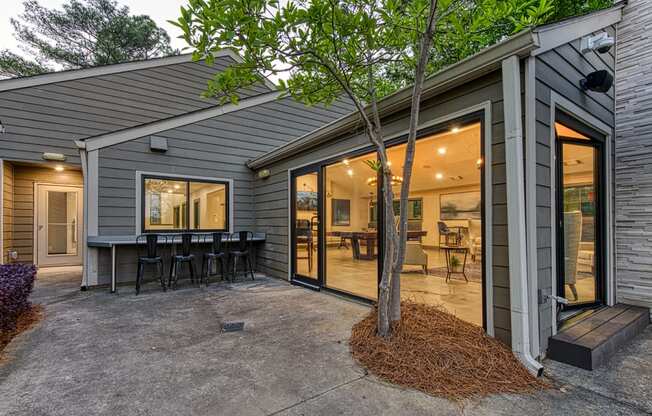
x=184 y=205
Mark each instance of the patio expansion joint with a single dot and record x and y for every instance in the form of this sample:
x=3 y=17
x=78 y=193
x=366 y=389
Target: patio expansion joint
x=308 y=399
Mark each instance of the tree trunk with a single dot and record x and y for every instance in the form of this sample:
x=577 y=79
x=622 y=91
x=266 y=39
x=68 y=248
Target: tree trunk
x=420 y=71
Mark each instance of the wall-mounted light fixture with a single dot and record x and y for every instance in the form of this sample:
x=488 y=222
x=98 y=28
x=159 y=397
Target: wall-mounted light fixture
x=55 y=157
x=3 y=129
x=263 y=174
x=598 y=81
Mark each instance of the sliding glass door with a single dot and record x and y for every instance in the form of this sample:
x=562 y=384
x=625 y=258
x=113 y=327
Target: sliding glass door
x=306 y=214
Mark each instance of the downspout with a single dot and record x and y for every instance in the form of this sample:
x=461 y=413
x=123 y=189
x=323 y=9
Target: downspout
x=518 y=271
x=84 y=162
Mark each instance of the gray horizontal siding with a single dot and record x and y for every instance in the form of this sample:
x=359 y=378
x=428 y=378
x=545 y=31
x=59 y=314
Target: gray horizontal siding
x=560 y=70
x=48 y=118
x=634 y=156
x=214 y=148
x=271 y=194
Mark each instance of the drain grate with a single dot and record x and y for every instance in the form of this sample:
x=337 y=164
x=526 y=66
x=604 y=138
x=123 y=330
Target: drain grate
x=232 y=326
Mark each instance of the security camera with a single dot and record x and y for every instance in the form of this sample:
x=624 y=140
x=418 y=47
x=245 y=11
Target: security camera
x=601 y=43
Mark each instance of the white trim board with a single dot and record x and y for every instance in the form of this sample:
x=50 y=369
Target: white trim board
x=557 y=34
x=74 y=74
x=558 y=101
x=485 y=107
x=121 y=136
x=139 y=191
x=531 y=204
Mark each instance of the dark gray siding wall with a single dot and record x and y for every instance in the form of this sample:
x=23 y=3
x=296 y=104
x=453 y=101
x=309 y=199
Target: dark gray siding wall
x=49 y=117
x=271 y=194
x=560 y=70
x=218 y=147
x=634 y=155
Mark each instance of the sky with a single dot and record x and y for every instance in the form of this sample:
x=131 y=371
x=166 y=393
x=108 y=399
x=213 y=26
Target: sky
x=159 y=10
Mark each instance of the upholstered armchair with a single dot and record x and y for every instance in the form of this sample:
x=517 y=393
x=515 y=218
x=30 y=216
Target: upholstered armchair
x=416 y=256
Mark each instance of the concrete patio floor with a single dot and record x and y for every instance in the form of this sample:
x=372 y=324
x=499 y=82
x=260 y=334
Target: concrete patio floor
x=164 y=354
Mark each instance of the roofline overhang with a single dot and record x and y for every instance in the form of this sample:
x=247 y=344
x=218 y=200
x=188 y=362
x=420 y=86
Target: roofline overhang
x=116 y=137
x=482 y=63
x=533 y=41
x=75 y=74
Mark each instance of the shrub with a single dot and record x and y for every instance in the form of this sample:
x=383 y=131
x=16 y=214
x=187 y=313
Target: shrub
x=16 y=284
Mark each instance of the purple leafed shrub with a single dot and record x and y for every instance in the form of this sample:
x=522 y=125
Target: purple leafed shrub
x=16 y=283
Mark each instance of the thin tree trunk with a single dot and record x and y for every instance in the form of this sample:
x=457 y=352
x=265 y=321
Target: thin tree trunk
x=420 y=71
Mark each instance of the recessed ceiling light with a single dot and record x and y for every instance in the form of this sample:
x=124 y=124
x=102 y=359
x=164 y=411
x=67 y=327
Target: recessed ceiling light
x=346 y=162
x=439 y=175
x=389 y=163
x=350 y=172
x=441 y=150
x=58 y=168
x=455 y=130
x=169 y=191
x=177 y=186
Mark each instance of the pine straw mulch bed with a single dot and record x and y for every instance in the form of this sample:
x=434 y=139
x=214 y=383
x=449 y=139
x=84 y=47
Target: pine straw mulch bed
x=26 y=320
x=435 y=352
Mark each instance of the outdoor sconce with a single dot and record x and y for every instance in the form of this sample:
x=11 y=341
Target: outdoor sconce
x=55 y=157
x=598 y=81
x=3 y=130
x=263 y=174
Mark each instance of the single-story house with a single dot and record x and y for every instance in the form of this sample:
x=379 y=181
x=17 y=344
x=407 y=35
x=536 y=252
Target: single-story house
x=511 y=209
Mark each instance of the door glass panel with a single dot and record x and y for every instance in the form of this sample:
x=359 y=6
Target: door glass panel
x=351 y=227
x=62 y=223
x=443 y=256
x=307 y=225
x=579 y=222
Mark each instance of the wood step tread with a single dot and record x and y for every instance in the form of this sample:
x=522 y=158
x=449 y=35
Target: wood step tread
x=590 y=341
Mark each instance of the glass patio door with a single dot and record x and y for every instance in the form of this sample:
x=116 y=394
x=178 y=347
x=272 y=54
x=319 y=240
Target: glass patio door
x=306 y=230
x=58 y=225
x=580 y=210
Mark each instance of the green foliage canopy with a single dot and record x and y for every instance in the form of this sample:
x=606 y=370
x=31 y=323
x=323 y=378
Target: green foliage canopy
x=84 y=33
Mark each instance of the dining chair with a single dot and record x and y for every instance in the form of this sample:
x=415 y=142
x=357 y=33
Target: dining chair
x=447 y=234
x=217 y=252
x=242 y=249
x=147 y=250
x=304 y=236
x=179 y=258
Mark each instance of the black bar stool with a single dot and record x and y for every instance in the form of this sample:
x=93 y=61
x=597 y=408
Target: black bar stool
x=241 y=249
x=217 y=252
x=179 y=258
x=147 y=247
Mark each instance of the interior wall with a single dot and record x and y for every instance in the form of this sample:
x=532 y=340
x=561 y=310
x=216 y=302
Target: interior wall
x=25 y=177
x=8 y=207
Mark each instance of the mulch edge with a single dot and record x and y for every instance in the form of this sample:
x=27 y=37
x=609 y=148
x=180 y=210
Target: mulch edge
x=26 y=321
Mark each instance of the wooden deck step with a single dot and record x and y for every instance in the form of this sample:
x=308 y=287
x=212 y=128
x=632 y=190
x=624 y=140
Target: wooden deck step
x=590 y=341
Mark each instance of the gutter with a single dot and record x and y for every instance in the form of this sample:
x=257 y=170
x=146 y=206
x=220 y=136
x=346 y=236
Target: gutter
x=482 y=63
x=516 y=227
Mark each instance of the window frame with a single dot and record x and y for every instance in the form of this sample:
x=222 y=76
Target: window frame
x=188 y=206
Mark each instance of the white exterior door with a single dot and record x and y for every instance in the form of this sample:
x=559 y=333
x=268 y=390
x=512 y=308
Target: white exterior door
x=58 y=225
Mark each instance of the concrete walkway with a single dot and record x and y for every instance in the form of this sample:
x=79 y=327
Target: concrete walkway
x=164 y=354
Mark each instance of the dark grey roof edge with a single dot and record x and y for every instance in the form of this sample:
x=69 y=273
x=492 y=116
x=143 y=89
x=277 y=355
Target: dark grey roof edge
x=486 y=60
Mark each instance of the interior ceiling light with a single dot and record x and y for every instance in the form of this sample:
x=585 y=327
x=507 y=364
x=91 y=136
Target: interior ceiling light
x=396 y=180
x=441 y=150
x=58 y=168
x=350 y=172
x=177 y=186
x=346 y=162
x=439 y=175
x=455 y=130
